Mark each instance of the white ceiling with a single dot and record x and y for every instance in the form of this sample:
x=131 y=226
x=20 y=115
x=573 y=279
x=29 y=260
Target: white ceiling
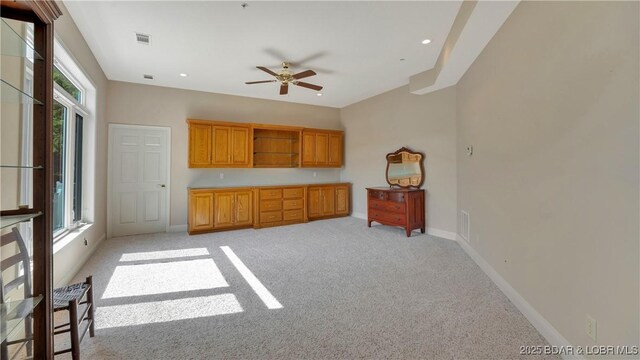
x=355 y=47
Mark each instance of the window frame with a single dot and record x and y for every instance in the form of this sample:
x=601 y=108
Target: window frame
x=74 y=107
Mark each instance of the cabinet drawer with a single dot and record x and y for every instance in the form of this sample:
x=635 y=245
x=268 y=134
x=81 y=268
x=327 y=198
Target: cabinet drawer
x=387 y=218
x=267 y=194
x=390 y=206
x=270 y=216
x=376 y=194
x=396 y=196
x=270 y=205
x=293 y=215
x=292 y=193
x=292 y=204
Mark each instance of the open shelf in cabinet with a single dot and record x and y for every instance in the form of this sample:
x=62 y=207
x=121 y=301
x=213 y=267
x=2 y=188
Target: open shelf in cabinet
x=276 y=148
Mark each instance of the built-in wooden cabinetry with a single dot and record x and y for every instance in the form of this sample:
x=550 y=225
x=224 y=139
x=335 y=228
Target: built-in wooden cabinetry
x=328 y=200
x=215 y=209
x=215 y=144
x=276 y=147
x=264 y=206
x=219 y=144
x=322 y=148
x=280 y=205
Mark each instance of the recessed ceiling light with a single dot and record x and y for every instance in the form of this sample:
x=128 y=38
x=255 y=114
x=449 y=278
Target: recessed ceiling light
x=184 y=75
x=319 y=94
x=426 y=41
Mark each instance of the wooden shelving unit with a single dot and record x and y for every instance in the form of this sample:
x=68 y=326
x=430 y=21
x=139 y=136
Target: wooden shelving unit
x=39 y=54
x=276 y=148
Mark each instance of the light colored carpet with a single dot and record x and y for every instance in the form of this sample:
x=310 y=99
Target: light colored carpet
x=347 y=292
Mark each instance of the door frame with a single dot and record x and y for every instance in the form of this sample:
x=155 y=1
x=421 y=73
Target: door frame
x=167 y=131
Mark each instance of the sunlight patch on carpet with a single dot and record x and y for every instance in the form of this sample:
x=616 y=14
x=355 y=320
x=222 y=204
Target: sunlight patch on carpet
x=165 y=254
x=162 y=278
x=166 y=311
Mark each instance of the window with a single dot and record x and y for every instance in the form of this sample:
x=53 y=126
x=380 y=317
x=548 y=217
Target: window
x=68 y=129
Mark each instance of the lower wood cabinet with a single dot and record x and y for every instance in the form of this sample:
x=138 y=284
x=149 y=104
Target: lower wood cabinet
x=211 y=210
x=232 y=208
x=328 y=200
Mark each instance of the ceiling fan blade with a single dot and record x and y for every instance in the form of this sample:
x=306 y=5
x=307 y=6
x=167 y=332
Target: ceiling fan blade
x=267 y=70
x=304 y=74
x=308 y=86
x=260 y=82
x=284 y=89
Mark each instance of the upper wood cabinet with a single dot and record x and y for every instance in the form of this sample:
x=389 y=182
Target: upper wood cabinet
x=322 y=148
x=215 y=144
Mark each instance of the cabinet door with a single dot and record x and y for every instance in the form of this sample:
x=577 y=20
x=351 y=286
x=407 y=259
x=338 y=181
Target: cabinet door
x=243 y=208
x=239 y=146
x=223 y=205
x=322 y=149
x=200 y=211
x=221 y=148
x=335 y=150
x=313 y=202
x=199 y=145
x=308 y=148
x=328 y=199
x=342 y=200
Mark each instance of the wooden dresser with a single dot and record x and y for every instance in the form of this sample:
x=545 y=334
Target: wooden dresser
x=396 y=207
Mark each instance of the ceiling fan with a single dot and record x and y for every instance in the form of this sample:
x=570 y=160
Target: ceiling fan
x=286 y=77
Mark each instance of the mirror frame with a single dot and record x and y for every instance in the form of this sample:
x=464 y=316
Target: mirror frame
x=407 y=150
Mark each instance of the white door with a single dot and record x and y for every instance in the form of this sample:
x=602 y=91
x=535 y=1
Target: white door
x=138 y=179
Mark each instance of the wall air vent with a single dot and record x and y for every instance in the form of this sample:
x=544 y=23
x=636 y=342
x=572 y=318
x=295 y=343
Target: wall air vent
x=148 y=77
x=463 y=225
x=143 y=39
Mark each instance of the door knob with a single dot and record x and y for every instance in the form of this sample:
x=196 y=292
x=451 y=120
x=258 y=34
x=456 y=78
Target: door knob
x=163 y=185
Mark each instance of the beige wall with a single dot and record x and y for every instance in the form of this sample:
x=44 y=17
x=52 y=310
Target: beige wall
x=71 y=257
x=158 y=106
x=384 y=123
x=551 y=108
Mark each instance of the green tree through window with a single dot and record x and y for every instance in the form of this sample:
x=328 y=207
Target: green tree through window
x=66 y=84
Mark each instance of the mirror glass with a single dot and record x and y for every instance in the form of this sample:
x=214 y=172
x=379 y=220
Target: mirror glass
x=405 y=168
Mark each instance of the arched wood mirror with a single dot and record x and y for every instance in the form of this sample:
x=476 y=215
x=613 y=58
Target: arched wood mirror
x=405 y=168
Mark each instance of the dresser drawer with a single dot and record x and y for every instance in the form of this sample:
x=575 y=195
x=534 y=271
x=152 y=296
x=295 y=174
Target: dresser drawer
x=387 y=218
x=396 y=196
x=289 y=215
x=292 y=193
x=266 y=194
x=378 y=194
x=270 y=205
x=270 y=216
x=292 y=204
x=390 y=206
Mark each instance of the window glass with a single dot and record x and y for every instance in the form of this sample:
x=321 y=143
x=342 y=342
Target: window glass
x=59 y=151
x=77 y=167
x=66 y=84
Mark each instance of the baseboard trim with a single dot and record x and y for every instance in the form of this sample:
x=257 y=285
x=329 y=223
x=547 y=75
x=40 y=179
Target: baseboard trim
x=442 y=234
x=177 y=228
x=431 y=231
x=535 y=318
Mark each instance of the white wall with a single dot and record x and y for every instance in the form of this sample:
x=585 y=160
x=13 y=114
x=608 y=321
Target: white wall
x=551 y=108
x=68 y=260
x=137 y=104
x=384 y=123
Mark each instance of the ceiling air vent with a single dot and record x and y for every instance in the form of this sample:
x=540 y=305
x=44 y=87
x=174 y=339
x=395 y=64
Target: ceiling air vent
x=148 y=77
x=143 y=39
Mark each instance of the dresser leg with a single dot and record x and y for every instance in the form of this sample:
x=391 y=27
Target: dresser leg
x=369 y=223
x=408 y=232
x=422 y=230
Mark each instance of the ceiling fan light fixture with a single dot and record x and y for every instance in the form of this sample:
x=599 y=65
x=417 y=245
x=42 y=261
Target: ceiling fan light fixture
x=319 y=94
